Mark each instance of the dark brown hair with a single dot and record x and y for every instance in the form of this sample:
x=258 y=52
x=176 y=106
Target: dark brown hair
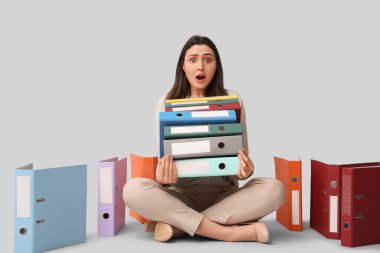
x=181 y=86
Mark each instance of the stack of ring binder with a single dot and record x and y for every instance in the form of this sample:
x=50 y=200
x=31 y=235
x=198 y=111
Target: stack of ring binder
x=203 y=135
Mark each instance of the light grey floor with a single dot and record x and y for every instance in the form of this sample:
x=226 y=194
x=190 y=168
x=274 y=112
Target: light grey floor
x=132 y=238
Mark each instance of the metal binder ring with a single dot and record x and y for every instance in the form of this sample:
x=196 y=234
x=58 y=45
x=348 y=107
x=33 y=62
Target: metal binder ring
x=40 y=221
x=40 y=200
x=359 y=216
x=359 y=196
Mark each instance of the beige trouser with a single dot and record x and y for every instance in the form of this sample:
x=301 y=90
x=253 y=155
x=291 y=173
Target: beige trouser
x=185 y=207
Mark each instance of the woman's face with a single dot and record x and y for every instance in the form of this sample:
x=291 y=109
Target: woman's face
x=199 y=66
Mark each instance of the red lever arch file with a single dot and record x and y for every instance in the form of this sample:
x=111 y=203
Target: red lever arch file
x=325 y=197
x=360 y=214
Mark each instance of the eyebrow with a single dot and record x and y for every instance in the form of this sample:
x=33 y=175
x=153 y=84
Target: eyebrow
x=206 y=54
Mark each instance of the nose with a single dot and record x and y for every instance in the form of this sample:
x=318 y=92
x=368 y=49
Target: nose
x=200 y=65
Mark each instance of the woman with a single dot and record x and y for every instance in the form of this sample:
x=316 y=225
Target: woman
x=213 y=207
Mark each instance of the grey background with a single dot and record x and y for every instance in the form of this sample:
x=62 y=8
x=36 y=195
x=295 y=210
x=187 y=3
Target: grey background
x=79 y=82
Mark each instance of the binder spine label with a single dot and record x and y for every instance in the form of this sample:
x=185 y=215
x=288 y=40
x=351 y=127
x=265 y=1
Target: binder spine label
x=206 y=114
x=295 y=208
x=188 y=103
x=334 y=214
x=189 y=129
x=346 y=195
x=105 y=185
x=191 y=147
x=195 y=167
x=23 y=197
x=191 y=108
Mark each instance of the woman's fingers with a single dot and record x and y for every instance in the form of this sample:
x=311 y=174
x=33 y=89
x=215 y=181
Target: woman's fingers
x=243 y=173
x=245 y=158
x=171 y=170
x=166 y=174
x=243 y=168
x=174 y=173
x=160 y=174
x=239 y=173
x=247 y=161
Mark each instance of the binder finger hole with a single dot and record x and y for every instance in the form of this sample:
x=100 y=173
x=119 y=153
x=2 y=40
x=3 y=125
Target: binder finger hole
x=106 y=216
x=346 y=225
x=221 y=128
x=220 y=106
x=220 y=145
x=222 y=166
x=23 y=231
x=179 y=114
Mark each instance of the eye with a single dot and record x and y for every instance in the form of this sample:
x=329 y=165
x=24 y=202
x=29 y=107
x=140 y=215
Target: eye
x=193 y=60
x=208 y=60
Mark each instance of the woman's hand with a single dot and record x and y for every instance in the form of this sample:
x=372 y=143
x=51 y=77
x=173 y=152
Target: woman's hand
x=167 y=171
x=246 y=166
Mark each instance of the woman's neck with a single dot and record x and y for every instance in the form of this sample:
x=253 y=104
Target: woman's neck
x=196 y=93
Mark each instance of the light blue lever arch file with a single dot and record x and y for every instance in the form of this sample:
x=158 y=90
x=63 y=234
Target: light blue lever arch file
x=50 y=208
x=207 y=167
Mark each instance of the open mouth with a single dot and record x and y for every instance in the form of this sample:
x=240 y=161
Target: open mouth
x=200 y=77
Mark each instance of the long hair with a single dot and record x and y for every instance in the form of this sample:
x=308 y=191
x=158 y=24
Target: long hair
x=181 y=86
